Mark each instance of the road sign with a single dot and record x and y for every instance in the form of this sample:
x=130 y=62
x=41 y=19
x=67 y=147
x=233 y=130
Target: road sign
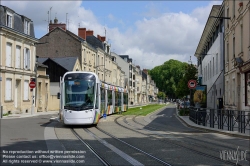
x=192 y=84
x=32 y=84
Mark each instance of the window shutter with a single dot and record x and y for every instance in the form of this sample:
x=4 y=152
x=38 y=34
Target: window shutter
x=28 y=58
x=8 y=90
x=26 y=90
x=8 y=55
x=18 y=54
x=24 y=58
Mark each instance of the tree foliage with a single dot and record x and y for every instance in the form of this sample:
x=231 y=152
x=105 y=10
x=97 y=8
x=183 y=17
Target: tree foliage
x=161 y=95
x=168 y=75
x=189 y=74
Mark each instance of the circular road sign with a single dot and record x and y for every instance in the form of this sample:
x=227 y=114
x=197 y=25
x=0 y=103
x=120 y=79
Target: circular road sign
x=32 y=84
x=192 y=84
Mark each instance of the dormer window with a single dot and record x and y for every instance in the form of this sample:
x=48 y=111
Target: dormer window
x=26 y=27
x=9 y=20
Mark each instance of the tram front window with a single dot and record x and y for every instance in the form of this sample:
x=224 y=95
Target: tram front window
x=79 y=94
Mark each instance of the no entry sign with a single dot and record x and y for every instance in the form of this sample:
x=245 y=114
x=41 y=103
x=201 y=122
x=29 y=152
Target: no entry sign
x=192 y=84
x=32 y=84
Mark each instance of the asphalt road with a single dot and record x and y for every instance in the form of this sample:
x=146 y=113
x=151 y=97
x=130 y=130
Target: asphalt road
x=160 y=134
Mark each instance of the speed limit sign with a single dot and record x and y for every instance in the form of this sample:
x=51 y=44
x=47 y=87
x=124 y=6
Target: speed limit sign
x=192 y=84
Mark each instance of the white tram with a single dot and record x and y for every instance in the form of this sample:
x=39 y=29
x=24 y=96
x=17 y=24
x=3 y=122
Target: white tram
x=84 y=99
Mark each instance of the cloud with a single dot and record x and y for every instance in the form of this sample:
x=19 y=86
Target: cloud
x=151 y=41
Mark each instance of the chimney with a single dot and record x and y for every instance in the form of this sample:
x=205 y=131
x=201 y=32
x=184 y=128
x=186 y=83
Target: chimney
x=103 y=38
x=89 y=33
x=99 y=37
x=82 y=33
x=55 y=25
x=145 y=71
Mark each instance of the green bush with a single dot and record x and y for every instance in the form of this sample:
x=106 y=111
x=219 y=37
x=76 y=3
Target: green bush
x=184 y=112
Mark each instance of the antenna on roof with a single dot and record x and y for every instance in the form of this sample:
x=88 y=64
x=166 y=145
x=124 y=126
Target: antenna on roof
x=50 y=13
x=79 y=24
x=105 y=32
x=66 y=20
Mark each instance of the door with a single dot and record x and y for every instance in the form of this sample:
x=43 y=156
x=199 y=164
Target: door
x=17 y=94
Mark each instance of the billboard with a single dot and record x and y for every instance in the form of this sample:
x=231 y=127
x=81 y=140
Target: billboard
x=200 y=96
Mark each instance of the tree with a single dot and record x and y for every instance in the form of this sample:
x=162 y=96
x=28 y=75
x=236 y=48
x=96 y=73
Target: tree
x=190 y=74
x=161 y=95
x=167 y=76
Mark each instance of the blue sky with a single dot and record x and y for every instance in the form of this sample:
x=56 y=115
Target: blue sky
x=150 y=32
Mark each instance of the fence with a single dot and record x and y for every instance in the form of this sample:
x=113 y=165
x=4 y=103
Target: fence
x=231 y=120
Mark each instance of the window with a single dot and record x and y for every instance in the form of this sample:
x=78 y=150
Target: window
x=247 y=88
x=227 y=16
x=233 y=47
x=8 y=89
x=233 y=8
x=26 y=27
x=233 y=91
x=210 y=70
x=18 y=57
x=217 y=64
x=26 y=59
x=213 y=66
x=241 y=37
x=26 y=90
x=8 y=54
x=9 y=20
x=227 y=52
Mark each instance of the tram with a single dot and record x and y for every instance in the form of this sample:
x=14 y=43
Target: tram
x=84 y=99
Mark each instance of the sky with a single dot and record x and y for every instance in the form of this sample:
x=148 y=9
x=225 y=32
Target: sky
x=150 y=32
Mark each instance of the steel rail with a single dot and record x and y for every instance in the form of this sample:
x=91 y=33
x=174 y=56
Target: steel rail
x=90 y=148
x=151 y=156
x=176 y=144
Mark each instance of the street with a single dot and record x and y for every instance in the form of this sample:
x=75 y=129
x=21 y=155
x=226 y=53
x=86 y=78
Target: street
x=157 y=139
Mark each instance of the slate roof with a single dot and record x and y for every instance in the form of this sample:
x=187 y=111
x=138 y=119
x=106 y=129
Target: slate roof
x=67 y=63
x=18 y=21
x=95 y=42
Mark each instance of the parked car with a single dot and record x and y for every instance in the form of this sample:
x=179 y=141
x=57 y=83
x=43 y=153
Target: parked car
x=185 y=104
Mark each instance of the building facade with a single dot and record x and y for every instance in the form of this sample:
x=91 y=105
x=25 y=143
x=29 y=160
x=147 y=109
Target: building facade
x=237 y=55
x=210 y=56
x=17 y=61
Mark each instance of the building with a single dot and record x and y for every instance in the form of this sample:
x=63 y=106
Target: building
x=237 y=55
x=17 y=61
x=210 y=56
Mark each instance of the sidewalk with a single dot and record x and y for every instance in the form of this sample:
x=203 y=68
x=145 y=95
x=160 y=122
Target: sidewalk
x=25 y=115
x=189 y=123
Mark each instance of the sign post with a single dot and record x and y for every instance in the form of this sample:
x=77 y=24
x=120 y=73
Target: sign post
x=32 y=86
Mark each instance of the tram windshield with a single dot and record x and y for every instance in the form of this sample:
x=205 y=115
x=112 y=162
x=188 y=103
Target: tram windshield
x=79 y=94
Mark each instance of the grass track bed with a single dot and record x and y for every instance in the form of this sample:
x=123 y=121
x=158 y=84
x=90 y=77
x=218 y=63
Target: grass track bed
x=143 y=110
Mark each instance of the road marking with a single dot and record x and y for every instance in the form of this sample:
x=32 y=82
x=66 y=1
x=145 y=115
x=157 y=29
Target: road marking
x=116 y=150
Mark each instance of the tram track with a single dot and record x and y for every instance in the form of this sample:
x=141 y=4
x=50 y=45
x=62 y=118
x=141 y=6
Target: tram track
x=166 y=140
x=190 y=140
x=103 y=160
x=136 y=148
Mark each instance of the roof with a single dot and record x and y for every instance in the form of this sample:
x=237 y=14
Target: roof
x=18 y=21
x=66 y=62
x=95 y=42
x=215 y=11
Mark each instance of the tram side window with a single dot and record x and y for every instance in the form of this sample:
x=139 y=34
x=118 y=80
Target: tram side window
x=109 y=97
x=125 y=98
x=116 y=98
x=97 y=97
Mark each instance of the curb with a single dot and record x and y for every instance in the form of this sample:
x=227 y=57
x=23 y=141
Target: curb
x=211 y=130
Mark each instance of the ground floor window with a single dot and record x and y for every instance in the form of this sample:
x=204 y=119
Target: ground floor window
x=247 y=88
